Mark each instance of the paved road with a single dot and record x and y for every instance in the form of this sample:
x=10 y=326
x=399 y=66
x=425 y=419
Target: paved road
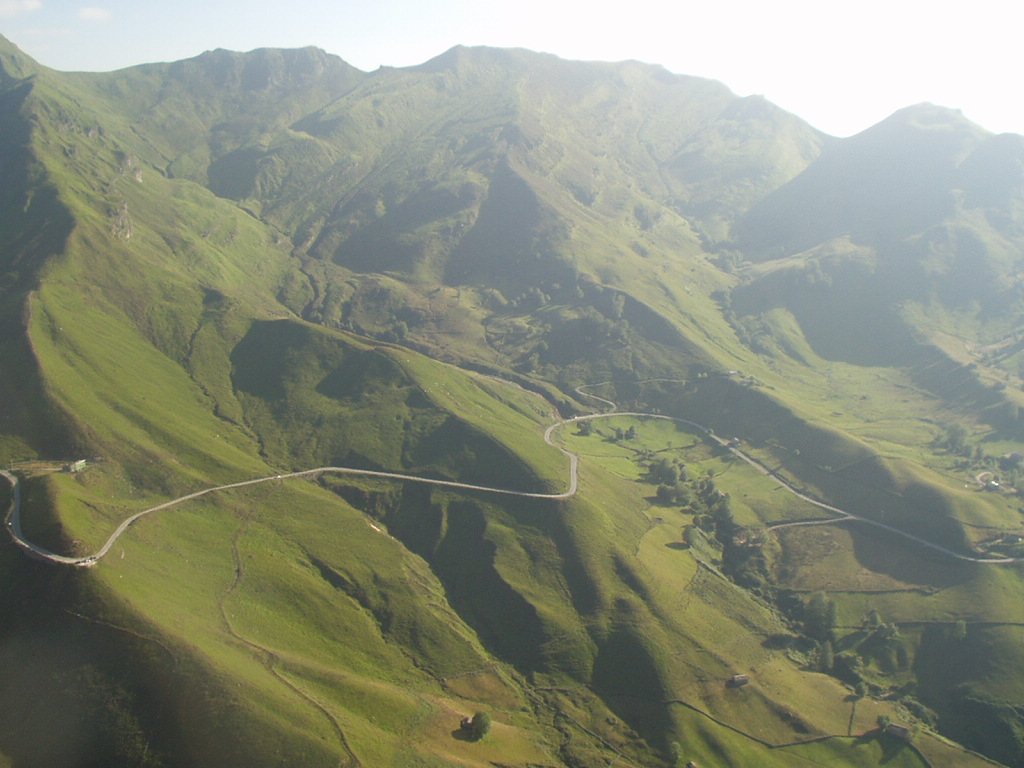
x=12 y=522
x=13 y=516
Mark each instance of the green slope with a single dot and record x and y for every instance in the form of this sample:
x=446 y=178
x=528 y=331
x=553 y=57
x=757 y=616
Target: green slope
x=238 y=265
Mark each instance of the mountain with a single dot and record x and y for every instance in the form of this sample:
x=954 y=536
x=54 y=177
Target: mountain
x=246 y=266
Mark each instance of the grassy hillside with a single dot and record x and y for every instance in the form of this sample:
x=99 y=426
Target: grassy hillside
x=243 y=265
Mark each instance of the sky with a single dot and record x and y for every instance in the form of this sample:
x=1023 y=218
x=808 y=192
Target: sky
x=841 y=65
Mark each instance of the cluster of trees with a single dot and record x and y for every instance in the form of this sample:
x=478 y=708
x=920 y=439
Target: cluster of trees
x=621 y=434
x=954 y=440
x=742 y=558
x=667 y=472
x=867 y=652
x=883 y=644
x=875 y=642
x=717 y=511
x=671 y=478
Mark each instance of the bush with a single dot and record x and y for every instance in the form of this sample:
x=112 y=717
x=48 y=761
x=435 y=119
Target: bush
x=480 y=725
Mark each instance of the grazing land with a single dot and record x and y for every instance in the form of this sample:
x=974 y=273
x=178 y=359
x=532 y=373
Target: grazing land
x=647 y=420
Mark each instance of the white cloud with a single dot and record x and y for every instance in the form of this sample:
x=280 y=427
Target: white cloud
x=93 y=14
x=11 y=8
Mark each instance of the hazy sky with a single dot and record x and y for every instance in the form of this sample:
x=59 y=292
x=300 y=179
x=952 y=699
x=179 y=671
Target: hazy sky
x=840 y=65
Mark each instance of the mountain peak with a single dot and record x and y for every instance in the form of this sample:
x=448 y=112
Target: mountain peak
x=14 y=63
x=460 y=57
x=286 y=63
x=928 y=135
x=928 y=117
x=269 y=73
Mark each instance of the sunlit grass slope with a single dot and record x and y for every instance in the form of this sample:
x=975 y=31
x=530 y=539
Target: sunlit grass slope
x=240 y=265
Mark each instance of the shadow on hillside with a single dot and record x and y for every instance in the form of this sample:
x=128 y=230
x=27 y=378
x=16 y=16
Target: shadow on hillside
x=464 y=734
x=905 y=560
x=779 y=642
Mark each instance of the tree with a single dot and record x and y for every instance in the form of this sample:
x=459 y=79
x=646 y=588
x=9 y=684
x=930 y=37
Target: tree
x=888 y=632
x=682 y=494
x=955 y=439
x=663 y=471
x=586 y=427
x=873 y=620
x=676 y=752
x=705 y=523
x=820 y=617
x=480 y=725
x=826 y=657
x=848 y=666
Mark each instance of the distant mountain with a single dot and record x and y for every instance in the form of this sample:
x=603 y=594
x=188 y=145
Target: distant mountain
x=887 y=183
x=244 y=265
x=918 y=216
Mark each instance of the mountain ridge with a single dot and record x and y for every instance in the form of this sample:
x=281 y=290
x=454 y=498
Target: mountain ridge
x=241 y=264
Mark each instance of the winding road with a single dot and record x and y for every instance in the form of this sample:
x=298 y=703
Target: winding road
x=12 y=520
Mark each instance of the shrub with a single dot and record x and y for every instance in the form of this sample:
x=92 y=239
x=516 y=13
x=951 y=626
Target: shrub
x=480 y=725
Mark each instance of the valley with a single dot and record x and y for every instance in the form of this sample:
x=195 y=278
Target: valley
x=647 y=419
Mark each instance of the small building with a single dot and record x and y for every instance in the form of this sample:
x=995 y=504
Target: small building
x=737 y=681
x=75 y=466
x=747 y=538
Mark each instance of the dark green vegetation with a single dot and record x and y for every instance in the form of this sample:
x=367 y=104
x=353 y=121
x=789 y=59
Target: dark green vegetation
x=245 y=264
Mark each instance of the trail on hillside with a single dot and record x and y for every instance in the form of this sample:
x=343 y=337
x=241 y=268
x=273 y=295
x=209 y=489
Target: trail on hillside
x=272 y=662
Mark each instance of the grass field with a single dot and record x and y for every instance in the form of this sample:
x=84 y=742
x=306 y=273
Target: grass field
x=204 y=281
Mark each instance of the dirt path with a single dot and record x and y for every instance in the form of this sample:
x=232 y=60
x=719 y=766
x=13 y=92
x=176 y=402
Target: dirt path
x=272 y=662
